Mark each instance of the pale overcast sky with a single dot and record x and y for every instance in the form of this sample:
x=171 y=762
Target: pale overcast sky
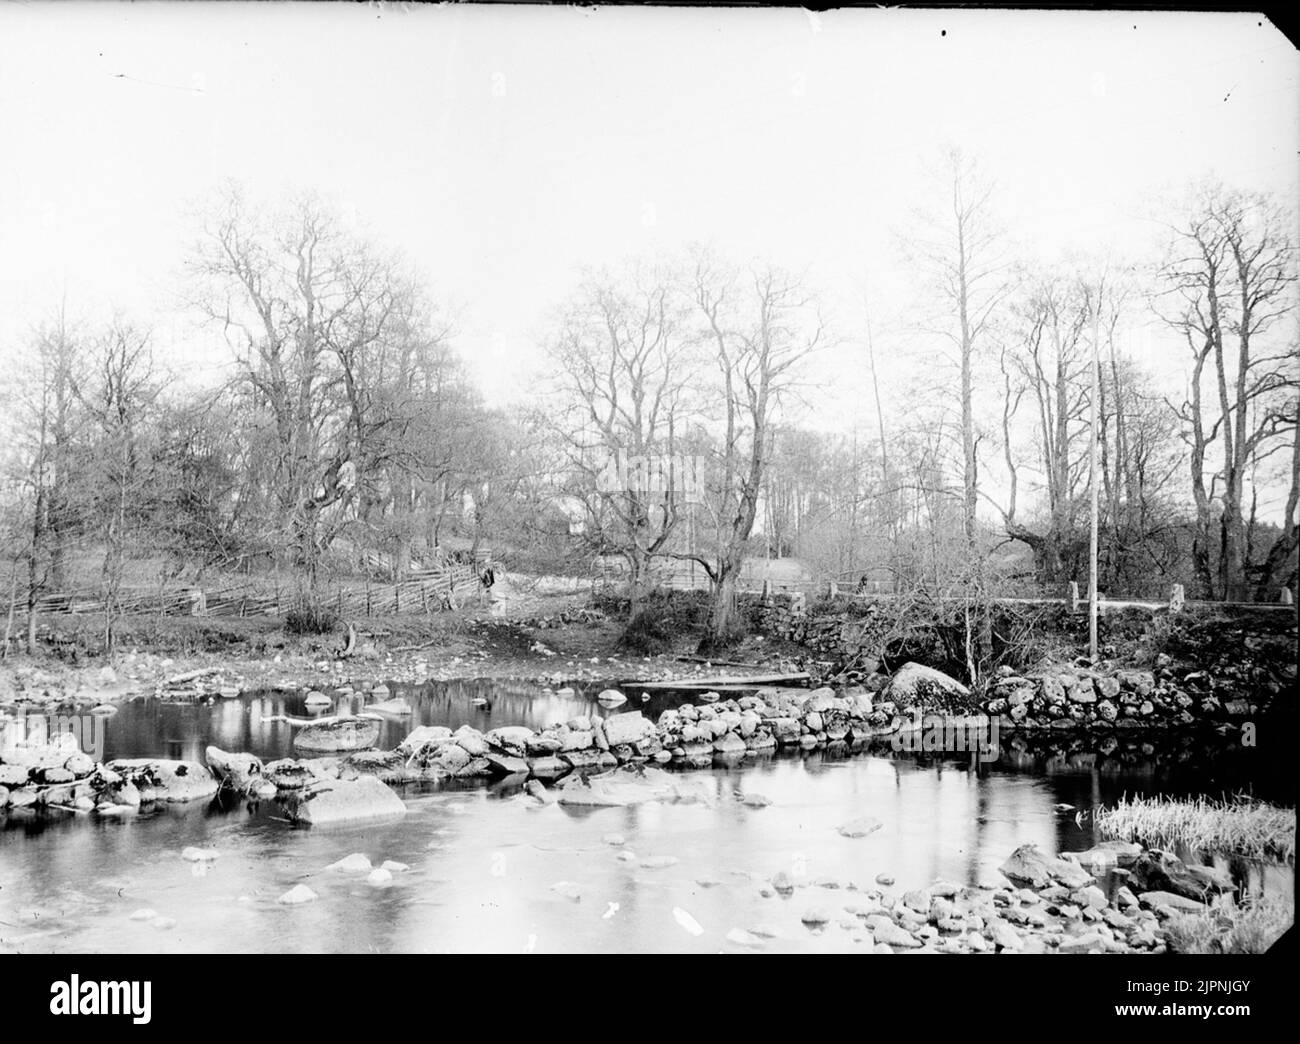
x=503 y=147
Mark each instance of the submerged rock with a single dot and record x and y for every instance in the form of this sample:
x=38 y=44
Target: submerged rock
x=356 y=863
x=296 y=895
x=860 y=827
x=340 y=801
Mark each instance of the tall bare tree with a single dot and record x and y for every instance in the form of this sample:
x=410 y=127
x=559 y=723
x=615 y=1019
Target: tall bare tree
x=760 y=327
x=1227 y=281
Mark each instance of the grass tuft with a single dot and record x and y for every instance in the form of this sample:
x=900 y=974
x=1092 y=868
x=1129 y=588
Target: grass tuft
x=1241 y=826
x=1229 y=927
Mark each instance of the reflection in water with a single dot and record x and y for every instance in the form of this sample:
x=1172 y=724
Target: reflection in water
x=483 y=858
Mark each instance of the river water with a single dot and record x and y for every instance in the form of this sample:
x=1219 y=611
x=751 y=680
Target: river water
x=484 y=858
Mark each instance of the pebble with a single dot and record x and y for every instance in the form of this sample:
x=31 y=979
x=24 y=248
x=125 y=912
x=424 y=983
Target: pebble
x=199 y=855
x=658 y=862
x=144 y=915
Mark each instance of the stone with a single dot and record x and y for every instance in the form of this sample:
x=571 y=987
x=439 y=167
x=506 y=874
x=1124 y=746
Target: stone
x=627 y=728
x=160 y=779
x=1003 y=936
x=199 y=855
x=240 y=771
x=1027 y=865
x=567 y=889
x=659 y=862
x=379 y=877
x=296 y=895
x=424 y=736
x=815 y=917
x=887 y=933
x=1109 y=854
x=914 y=684
x=1170 y=901
x=512 y=739
x=347 y=802
x=740 y=937
x=14 y=775
x=537 y=790
x=356 y=863
x=618 y=789
x=860 y=827
x=471 y=741
x=505 y=765
x=611 y=698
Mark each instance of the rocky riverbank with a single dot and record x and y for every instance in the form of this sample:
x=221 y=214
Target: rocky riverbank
x=919 y=709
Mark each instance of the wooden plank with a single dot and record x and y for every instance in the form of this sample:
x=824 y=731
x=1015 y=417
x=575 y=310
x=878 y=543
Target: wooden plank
x=728 y=681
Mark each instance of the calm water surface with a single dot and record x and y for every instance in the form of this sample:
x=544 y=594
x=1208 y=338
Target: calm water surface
x=483 y=859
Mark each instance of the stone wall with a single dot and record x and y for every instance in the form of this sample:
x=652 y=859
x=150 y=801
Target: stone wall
x=1159 y=668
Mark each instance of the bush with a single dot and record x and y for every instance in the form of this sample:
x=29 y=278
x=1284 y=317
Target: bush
x=664 y=617
x=310 y=619
x=737 y=630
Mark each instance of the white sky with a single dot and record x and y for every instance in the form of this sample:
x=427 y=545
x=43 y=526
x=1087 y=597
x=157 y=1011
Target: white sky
x=503 y=147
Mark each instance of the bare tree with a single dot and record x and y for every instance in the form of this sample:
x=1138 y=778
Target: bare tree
x=1226 y=281
x=760 y=326
x=624 y=365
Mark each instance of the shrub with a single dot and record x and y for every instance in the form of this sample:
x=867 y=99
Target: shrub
x=663 y=617
x=310 y=619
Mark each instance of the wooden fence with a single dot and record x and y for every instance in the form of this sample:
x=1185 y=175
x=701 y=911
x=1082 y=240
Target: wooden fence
x=426 y=591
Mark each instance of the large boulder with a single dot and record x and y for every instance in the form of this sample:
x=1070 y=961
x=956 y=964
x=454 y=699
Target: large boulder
x=917 y=686
x=160 y=779
x=1028 y=866
x=628 y=728
x=240 y=771
x=1157 y=871
x=341 y=801
x=338 y=735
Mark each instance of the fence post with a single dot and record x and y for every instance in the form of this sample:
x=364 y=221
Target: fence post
x=1287 y=598
x=767 y=592
x=832 y=589
x=1176 y=599
x=1074 y=596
